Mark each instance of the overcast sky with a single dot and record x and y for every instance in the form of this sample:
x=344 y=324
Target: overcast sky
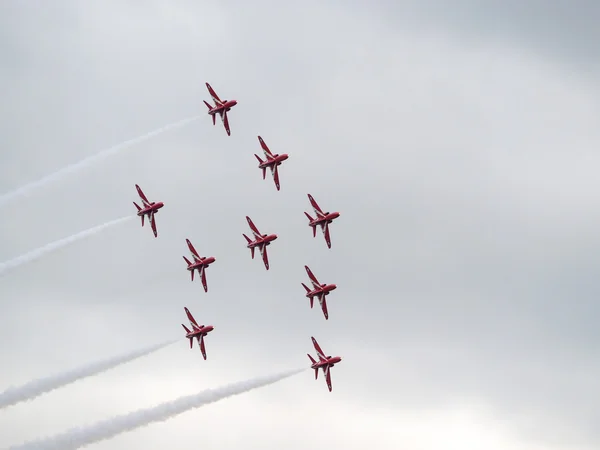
x=460 y=146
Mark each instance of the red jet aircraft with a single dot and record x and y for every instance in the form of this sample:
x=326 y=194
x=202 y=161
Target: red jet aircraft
x=319 y=291
x=198 y=332
x=149 y=209
x=323 y=220
x=272 y=162
x=221 y=108
x=200 y=264
x=325 y=363
x=260 y=240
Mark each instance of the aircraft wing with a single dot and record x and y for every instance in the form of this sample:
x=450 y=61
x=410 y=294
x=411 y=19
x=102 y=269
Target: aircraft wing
x=318 y=349
x=325 y=229
x=213 y=94
x=193 y=250
x=142 y=196
x=253 y=228
x=266 y=150
x=323 y=303
x=312 y=277
x=265 y=256
x=193 y=322
x=153 y=223
x=275 y=173
x=203 y=278
x=225 y=121
x=315 y=206
x=328 y=377
x=202 y=347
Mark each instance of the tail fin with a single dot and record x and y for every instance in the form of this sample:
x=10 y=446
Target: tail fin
x=314 y=227
x=307 y=291
x=314 y=362
x=310 y=298
x=191 y=338
x=210 y=108
x=189 y=263
x=251 y=248
x=264 y=169
x=139 y=209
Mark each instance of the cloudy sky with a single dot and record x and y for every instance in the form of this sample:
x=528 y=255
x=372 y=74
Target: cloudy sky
x=460 y=146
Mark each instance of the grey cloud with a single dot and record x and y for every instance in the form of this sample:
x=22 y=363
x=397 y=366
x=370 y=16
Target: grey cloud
x=562 y=31
x=465 y=253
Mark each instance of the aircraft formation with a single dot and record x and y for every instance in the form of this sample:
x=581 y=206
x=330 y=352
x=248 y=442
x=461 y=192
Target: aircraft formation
x=259 y=241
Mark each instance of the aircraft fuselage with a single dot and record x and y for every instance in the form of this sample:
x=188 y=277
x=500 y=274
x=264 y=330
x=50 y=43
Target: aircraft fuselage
x=331 y=361
x=266 y=240
x=154 y=207
x=225 y=107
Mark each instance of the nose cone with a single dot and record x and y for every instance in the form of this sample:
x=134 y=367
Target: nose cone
x=284 y=156
x=209 y=328
x=333 y=287
x=160 y=205
x=273 y=237
x=336 y=215
x=233 y=102
x=211 y=260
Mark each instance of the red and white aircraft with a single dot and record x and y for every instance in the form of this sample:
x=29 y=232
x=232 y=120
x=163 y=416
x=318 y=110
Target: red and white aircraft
x=221 y=108
x=260 y=240
x=272 y=162
x=197 y=331
x=149 y=209
x=322 y=219
x=200 y=264
x=319 y=290
x=325 y=363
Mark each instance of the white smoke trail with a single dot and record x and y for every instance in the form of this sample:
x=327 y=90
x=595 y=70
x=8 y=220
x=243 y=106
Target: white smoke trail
x=5 y=198
x=106 y=429
x=35 y=388
x=39 y=252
